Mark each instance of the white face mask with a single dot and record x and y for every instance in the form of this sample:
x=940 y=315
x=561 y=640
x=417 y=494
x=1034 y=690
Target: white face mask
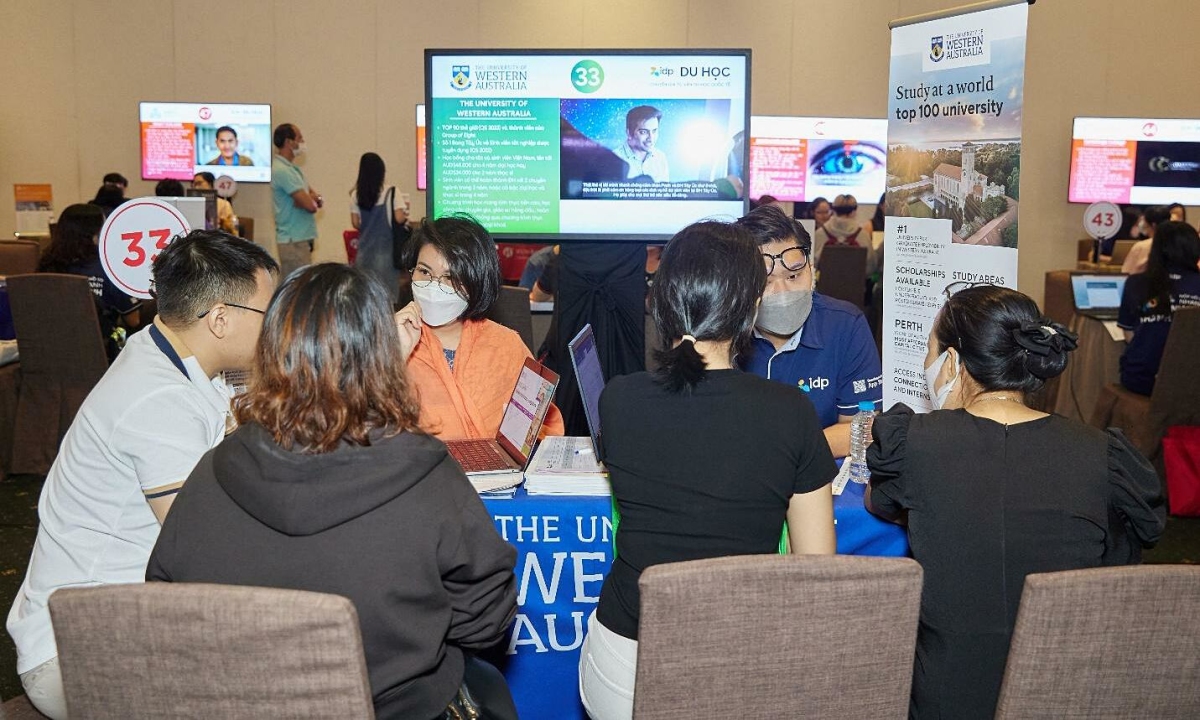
x=437 y=307
x=939 y=397
x=300 y=149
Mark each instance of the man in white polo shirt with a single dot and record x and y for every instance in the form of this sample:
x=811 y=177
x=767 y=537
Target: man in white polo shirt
x=137 y=437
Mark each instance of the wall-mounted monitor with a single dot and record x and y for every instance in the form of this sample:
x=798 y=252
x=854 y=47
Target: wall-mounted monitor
x=552 y=145
x=1142 y=161
x=421 y=158
x=799 y=159
x=179 y=140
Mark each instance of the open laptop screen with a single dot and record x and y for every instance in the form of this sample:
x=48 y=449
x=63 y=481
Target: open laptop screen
x=527 y=409
x=1097 y=292
x=586 y=361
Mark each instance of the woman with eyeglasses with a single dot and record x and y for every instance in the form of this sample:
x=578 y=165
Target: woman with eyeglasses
x=705 y=460
x=464 y=366
x=993 y=490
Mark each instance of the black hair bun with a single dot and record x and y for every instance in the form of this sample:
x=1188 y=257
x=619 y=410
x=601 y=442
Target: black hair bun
x=1046 y=344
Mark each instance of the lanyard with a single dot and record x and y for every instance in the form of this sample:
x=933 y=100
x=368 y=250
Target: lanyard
x=165 y=345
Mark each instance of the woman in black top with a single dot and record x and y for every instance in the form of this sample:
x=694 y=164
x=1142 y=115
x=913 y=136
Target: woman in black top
x=994 y=490
x=705 y=460
x=328 y=485
x=73 y=251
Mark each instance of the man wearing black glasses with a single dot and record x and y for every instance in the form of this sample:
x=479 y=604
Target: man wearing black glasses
x=821 y=345
x=137 y=437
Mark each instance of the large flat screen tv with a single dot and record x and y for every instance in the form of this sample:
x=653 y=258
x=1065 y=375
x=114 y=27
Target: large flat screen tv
x=421 y=147
x=553 y=145
x=1142 y=161
x=182 y=139
x=799 y=159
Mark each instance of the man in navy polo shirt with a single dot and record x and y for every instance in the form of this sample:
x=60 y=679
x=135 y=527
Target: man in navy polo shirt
x=802 y=338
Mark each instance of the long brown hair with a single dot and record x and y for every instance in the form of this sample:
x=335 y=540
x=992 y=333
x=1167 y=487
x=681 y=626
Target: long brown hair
x=328 y=368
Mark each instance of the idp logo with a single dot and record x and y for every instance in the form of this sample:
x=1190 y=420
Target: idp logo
x=661 y=71
x=205 y=113
x=460 y=77
x=1150 y=129
x=810 y=384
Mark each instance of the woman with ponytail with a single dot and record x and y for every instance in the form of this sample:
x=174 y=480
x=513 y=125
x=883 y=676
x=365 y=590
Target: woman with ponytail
x=993 y=490
x=705 y=460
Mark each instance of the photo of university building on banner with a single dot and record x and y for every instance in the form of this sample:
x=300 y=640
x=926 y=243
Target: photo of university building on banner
x=956 y=96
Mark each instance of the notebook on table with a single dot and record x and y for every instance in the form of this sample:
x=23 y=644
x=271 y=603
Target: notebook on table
x=1098 y=296
x=571 y=465
x=497 y=463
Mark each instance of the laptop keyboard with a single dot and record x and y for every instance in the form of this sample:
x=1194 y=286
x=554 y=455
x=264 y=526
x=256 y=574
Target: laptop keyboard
x=478 y=455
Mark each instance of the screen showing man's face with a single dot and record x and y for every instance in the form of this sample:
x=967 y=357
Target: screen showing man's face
x=644 y=137
x=227 y=143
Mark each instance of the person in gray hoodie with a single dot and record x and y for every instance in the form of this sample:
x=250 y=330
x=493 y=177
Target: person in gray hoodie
x=328 y=485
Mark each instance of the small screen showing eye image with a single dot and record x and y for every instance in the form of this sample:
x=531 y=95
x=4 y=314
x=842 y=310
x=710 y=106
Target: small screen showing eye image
x=851 y=167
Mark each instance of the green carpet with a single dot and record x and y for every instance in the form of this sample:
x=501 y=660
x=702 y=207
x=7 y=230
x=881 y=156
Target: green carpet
x=18 y=526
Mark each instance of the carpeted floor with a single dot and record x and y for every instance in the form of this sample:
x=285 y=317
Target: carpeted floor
x=18 y=526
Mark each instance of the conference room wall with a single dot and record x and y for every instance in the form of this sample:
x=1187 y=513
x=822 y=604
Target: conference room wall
x=350 y=74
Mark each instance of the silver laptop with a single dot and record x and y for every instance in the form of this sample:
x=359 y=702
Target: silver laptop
x=509 y=451
x=1098 y=296
x=590 y=377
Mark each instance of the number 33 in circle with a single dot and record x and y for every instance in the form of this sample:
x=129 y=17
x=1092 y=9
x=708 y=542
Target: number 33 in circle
x=132 y=237
x=587 y=76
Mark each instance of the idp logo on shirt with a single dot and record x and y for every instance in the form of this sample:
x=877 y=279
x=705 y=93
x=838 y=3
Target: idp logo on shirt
x=810 y=384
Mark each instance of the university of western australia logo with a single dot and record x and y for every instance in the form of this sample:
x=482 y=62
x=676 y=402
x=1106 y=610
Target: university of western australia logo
x=460 y=77
x=936 y=48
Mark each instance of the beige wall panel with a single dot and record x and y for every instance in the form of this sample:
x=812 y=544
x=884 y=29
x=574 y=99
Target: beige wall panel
x=37 y=115
x=636 y=24
x=765 y=28
x=531 y=23
x=840 y=57
x=124 y=53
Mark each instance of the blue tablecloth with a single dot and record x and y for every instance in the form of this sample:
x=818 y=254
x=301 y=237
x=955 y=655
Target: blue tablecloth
x=564 y=550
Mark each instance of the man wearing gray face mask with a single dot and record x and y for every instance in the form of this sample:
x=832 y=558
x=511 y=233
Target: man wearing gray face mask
x=802 y=338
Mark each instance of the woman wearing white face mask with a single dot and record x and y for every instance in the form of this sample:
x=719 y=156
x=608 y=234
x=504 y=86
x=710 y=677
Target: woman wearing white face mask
x=993 y=490
x=463 y=365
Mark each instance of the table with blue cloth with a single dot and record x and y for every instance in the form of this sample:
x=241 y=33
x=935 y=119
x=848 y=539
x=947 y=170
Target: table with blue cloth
x=564 y=550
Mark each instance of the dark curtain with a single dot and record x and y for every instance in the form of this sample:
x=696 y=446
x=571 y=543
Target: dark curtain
x=603 y=284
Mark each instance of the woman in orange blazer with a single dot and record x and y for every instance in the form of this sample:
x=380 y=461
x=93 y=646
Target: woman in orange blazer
x=464 y=366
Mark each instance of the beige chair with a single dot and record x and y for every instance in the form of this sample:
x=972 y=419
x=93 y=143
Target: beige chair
x=162 y=650
x=62 y=359
x=1106 y=643
x=1058 y=304
x=19 y=257
x=511 y=310
x=1084 y=248
x=843 y=273
x=1121 y=250
x=774 y=636
x=1176 y=397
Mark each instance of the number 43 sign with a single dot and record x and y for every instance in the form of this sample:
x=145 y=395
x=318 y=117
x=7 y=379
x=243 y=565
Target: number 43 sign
x=1102 y=220
x=132 y=236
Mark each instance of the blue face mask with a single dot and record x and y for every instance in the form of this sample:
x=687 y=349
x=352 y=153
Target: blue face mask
x=938 y=397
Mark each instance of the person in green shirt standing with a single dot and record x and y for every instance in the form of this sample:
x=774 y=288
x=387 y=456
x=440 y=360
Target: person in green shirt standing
x=296 y=203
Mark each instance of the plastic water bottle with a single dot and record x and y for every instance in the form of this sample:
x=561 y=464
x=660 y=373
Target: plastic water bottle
x=860 y=438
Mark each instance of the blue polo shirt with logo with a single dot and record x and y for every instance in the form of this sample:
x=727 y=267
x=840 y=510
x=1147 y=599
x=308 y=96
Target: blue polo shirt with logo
x=832 y=358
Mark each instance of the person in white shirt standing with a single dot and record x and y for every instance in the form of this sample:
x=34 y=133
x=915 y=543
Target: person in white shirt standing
x=138 y=436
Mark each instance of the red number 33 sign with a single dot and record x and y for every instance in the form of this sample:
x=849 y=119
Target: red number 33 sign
x=132 y=237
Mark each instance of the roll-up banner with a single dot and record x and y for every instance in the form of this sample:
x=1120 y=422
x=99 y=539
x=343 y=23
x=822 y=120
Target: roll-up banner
x=956 y=95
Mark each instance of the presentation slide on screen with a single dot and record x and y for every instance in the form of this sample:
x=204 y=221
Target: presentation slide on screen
x=592 y=145
x=799 y=159
x=182 y=139
x=1135 y=160
x=420 y=147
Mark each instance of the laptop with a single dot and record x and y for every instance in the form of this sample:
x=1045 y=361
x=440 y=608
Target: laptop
x=494 y=464
x=1098 y=296
x=586 y=361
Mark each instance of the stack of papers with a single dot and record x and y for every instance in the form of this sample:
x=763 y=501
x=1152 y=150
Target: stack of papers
x=495 y=484
x=566 y=466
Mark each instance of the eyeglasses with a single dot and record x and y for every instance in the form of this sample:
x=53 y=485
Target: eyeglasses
x=793 y=258
x=956 y=287
x=422 y=278
x=229 y=304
